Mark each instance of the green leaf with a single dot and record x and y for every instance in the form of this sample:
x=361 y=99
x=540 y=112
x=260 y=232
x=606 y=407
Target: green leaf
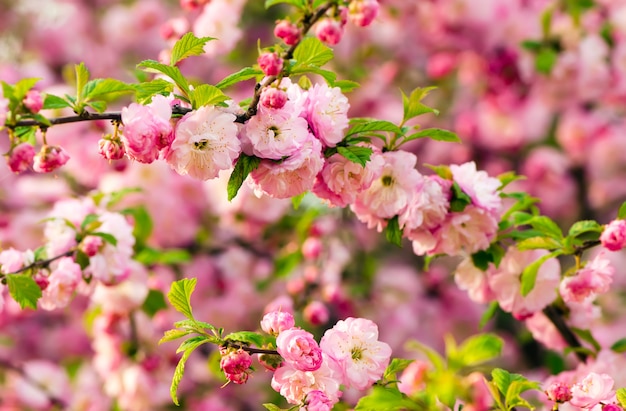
x=192 y=343
x=621 y=214
x=512 y=398
x=180 y=370
x=247 y=337
x=508 y=177
x=529 y=275
x=244 y=166
x=23 y=86
x=435 y=358
x=81 y=259
x=413 y=105
x=188 y=45
x=311 y=52
x=180 y=296
x=385 y=399
x=489 y=313
x=206 y=94
x=109 y=238
x=377 y=125
x=244 y=74
x=298 y=3
x=585 y=226
x=146 y=90
x=328 y=75
x=545 y=60
x=536 y=243
x=52 y=102
x=393 y=233
x=82 y=77
x=143 y=223
x=100 y=88
x=621 y=396
x=174 y=73
x=442 y=171
x=586 y=336
x=346 y=86
x=503 y=379
x=436 y=134
x=395 y=366
x=532 y=45
x=619 y=345
x=356 y=154
x=459 y=199
x=171 y=335
x=272 y=407
x=154 y=302
x=284 y=265
x=297 y=200
x=479 y=349
x=24 y=290
x=100 y=106
x=194 y=325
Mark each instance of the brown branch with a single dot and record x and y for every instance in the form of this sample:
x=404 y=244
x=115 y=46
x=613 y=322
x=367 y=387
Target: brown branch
x=250 y=350
x=42 y=263
x=555 y=315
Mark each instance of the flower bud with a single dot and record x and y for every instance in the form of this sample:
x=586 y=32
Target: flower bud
x=612 y=407
x=91 y=245
x=287 y=32
x=363 y=12
x=273 y=98
x=559 y=392
x=312 y=248
x=276 y=322
x=33 y=101
x=270 y=63
x=21 y=157
x=329 y=31
x=110 y=148
x=235 y=365
x=316 y=313
x=614 y=235
x=49 y=159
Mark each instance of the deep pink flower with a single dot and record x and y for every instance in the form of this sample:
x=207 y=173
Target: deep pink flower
x=49 y=159
x=21 y=157
x=316 y=313
x=235 y=365
x=273 y=97
x=363 y=12
x=317 y=400
x=614 y=235
x=558 y=391
x=33 y=101
x=288 y=32
x=299 y=349
x=329 y=31
x=276 y=322
x=111 y=149
x=270 y=63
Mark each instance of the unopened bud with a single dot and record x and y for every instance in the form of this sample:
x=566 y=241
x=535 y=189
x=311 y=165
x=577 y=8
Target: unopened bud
x=21 y=157
x=49 y=159
x=287 y=32
x=33 y=101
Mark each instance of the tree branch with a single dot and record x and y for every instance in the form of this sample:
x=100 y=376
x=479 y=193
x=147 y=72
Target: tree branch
x=555 y=315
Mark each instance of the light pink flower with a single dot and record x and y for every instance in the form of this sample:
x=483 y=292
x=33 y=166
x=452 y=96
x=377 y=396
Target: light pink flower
x=482 y=189
x=614 y=235
x=147 y=129
x=41 y=381
x=413 y=378
x=293 y=176
x=12 y=260
x=474 y=280
x=544 y=331
x=299 y=349
x=219 y=19
x=595 y=278
x=506 y=285
x=391 y=193
x=593 y=389
x=49 y=159
x=341 y=180
x=326 y=111
x=111 y=149
x=316 y=313
x=205 y=142
x=354 y=344
x=428 y=207
x=275 y=133
x=61 y=284
x=317 y=400
x=112 y=263
x=294 y=384
x=60 y=235
x=276 y=322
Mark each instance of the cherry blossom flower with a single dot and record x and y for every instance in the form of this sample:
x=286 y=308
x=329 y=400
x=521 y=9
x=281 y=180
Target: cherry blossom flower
x=276 y=322
x=49 y=159
x=270 y=63
x=478 y=185
x=112 y=263
x=593 y=389
x=288 y=32
x=21 y=157
x=614 y=235
x=205 y=142
x=329 y=31
x=326 y=111
x=363 y=12
x=595 y=278
x=147 y=129
x=317 y=400
x=299 y=349
x=62 y=283
x=235 y=365
x=354 y=344
x=33 y=101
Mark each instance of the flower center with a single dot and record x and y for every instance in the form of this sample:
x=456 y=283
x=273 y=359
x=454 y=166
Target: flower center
x=387 y=181
x=275 y=130
x=357 y=353
x=201 y=145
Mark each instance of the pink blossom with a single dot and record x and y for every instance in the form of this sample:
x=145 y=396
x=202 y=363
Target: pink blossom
x=595 y=278
x=299 y=349
x=272 y=97
x=506 y=285
x=363 y=12
x=174 y=28
x=326 y=111
x=41 y=381
x=49 y=159
x=312 y=248
x=482 y=189
x=124 y=296
x=544 y=331
x=428 y=207
x=329 y=31
x=288 y=32
x=111 y=149
x=112 y=263
x=293 y=176
x=391 y=193
x=558 y=391
x=593 y=389
x=219 y=19
x=441 y=64
x=294 y=384
x=62 y=283
x=33 y=101
x=147 y=129
x=235 y=365
x=270 y=63
x=614 y=235
x=317 y=400
x=413 y=378
x=91 y=244
x=316 y=313
x=276 y=133
x=354 y=344
x=205 y=142
x=341 y=180
x=12 y=260
x=276 y=322
x=474 y=280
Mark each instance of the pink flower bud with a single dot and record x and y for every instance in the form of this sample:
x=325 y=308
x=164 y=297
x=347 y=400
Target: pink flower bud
x=343 y=15
x=41 y=280
x=559 y=392
x=364 y=12
x=190 y=5
x=312 y=248
x=299 y=349
x=329 y=31
x=270 y=63
x=235 y=365
x=33 y=101
x=612 y=407
x=287 y=32
x=276 y=322
x=317 y=400
x=614 y=235
x=316 y=313
x=21 y=157
x=49 y=159
x=91 y=245
x=111 y=149
x=273 y=98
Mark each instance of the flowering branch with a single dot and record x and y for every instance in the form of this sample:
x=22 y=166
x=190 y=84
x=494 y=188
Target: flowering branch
x=41 y=263
x=250 y=350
